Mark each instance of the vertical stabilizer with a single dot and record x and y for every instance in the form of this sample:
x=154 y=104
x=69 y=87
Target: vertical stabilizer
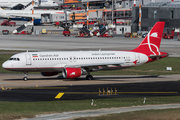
x=151 y=44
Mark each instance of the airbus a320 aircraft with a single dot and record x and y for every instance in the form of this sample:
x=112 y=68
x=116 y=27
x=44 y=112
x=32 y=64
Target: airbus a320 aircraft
x=76 y=63
x=20 y=4
x=27 y=15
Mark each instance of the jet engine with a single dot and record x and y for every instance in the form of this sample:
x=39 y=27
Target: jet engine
x=49 y=73
x=71 y=73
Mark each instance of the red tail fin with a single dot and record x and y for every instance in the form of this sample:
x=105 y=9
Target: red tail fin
x=150 y=45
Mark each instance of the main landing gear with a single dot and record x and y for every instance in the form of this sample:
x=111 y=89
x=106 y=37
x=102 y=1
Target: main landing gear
x=25 y=76
x=89 y=77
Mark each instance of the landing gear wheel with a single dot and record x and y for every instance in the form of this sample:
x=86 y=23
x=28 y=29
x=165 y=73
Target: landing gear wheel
x=25 y=79
x=25 y=76
x=89 y=77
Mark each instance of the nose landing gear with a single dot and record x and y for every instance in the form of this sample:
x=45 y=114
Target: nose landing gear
x=25 y=76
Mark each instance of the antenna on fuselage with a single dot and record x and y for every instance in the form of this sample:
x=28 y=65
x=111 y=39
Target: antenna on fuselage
x=99 y=49
x=27 y=51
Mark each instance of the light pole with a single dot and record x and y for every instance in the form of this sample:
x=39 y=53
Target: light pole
x=32 y=16
x=87 y=14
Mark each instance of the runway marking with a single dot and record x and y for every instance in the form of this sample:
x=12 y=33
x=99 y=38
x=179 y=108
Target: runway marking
x=59 y=95
x=122 y=92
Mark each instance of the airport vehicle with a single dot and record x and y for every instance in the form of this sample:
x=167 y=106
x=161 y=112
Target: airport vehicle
x=5 y=32
x=105 y=35
x=24 y=33
x=127 y=34
x=144 y=35
x=8 y=23
x=26 y=15
x=167 y=35
x=73 y=64
x=66 y=31
x=21 y=4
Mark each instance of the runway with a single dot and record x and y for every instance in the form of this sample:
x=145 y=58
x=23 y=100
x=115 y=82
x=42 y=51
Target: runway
x=47 y=89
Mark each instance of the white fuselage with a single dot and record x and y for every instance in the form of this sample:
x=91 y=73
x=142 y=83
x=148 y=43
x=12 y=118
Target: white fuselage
x=57 y=61
x=12 y=3
x=27 y=13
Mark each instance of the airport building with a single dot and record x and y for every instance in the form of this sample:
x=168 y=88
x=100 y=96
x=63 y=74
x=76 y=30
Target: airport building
x=159 y=11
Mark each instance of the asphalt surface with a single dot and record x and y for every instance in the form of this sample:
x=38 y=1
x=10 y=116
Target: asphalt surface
x=79 y=92
x=39 y=89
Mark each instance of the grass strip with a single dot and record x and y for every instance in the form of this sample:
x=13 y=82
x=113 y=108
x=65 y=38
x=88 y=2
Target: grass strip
x=164 y=114
x=16 y=110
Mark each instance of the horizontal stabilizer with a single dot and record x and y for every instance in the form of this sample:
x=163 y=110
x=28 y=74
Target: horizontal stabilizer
x=157 y=56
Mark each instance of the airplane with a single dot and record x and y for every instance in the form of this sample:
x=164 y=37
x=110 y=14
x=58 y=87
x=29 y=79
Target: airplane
x=26 y=15
x=73 y=64
x=20 y=4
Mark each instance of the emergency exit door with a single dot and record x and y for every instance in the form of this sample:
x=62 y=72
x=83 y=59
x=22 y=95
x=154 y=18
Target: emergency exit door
x=28 y=59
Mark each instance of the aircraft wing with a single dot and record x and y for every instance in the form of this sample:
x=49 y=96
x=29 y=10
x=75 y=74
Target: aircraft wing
x=97 y=65
x=25 y=17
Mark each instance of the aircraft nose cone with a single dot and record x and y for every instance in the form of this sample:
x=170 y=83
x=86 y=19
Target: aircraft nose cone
x=5 y=65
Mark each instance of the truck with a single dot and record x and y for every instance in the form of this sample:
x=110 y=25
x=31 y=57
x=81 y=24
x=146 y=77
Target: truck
x=66 y=31
x=8 y=23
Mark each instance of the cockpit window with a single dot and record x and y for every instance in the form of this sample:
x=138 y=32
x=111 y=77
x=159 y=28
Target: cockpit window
x=11 y=59
x=15 y=59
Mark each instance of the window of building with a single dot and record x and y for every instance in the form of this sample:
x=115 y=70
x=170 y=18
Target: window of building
x=155 y=14
x=171 y=14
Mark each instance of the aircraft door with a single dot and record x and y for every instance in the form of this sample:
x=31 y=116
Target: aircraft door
x=28 y=59
x=137 y=57
x=122 y=30
x=39 y=2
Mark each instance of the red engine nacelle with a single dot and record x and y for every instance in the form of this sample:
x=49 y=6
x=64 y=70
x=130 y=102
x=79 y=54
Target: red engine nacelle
x=72 y=73
x=49 y=73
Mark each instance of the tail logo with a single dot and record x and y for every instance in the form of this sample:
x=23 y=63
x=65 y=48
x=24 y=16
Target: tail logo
x=154 y=35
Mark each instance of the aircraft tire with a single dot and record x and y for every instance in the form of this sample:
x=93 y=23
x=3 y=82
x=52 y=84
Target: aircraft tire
x=89 y=77
x=25 y=79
